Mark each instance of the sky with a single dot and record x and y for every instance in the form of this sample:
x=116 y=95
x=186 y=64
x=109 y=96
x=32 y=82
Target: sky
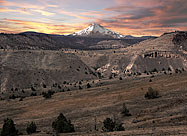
x=128 y=17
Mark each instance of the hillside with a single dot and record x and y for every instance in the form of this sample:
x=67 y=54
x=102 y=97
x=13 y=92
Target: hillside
x=21 y=70
x=158 y=54
x=90 y=85
x=40 y=41
x=163 y=55
x=166 y=115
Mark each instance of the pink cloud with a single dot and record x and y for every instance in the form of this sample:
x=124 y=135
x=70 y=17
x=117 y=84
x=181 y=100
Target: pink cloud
x=19 y=10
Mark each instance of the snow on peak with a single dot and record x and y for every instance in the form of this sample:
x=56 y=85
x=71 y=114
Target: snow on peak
x=96 y=30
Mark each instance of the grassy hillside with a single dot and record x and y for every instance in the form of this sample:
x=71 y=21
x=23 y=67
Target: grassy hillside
x=166 y=115
x=21 y=70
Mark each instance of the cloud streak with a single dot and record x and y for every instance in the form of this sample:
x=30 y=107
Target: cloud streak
x=23 y=25
x=20 y=10
x=44 y=13
x=147 y=17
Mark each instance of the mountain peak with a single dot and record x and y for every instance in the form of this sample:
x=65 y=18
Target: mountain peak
x=95 y=25
x=97 y=31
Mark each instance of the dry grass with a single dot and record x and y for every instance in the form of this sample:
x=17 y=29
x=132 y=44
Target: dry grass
x=163 y=116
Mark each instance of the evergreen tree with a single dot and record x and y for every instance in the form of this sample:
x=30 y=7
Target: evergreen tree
x=62 y=125
x=9 y=128
x=31 y=128
x=125 y=111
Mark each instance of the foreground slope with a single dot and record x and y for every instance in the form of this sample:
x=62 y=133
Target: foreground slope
x=166 y=115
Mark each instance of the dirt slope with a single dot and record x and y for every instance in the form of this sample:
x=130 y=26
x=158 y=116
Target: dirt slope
x=160 y=53
x=24 y=69
x=166 y=115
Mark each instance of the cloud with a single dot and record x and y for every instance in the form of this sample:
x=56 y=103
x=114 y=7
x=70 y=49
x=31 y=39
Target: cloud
x=93 y=14
x=20 y=5
x=40 y=4
x=76 y=15
x=138 y=17
x=16 y=26
x=45 y=13
x=147 y=16
x=19 y=10
x=53 y=6
x=2 y=2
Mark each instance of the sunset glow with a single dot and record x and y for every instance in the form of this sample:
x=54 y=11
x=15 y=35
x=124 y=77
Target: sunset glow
x=128 y=17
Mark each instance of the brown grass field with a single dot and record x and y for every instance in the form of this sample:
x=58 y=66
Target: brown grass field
x=166 y=115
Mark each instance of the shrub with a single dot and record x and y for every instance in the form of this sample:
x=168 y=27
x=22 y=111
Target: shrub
x=120 y=78
x=31 y=128
x=110 y=126
x=59 y=87
x=44 y=86
x=33 y=89
x=23 y=91
x=178 y=71
x=9 y=128
x=48 y=94
x=88 y=85
x=21 y=99
x=99 y=75
x=154 y=70
x=12 y=96
x=125 y=111
x=110 y=77
x=119 y=127
x=151 y=94
x=139 y=74
x=62 y=125
x=80 y=88
x=33 y=94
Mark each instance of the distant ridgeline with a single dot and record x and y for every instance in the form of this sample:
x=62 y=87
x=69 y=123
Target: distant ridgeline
x=93 y=37
x=37 y=41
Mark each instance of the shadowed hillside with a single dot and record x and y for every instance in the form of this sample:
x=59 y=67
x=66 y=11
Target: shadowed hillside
x=26 y=69
x=35 y=41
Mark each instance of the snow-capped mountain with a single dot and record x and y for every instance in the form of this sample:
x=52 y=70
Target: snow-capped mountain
x=97 y=31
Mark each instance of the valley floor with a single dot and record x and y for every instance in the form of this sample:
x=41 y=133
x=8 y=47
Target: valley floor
x=166 y=115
